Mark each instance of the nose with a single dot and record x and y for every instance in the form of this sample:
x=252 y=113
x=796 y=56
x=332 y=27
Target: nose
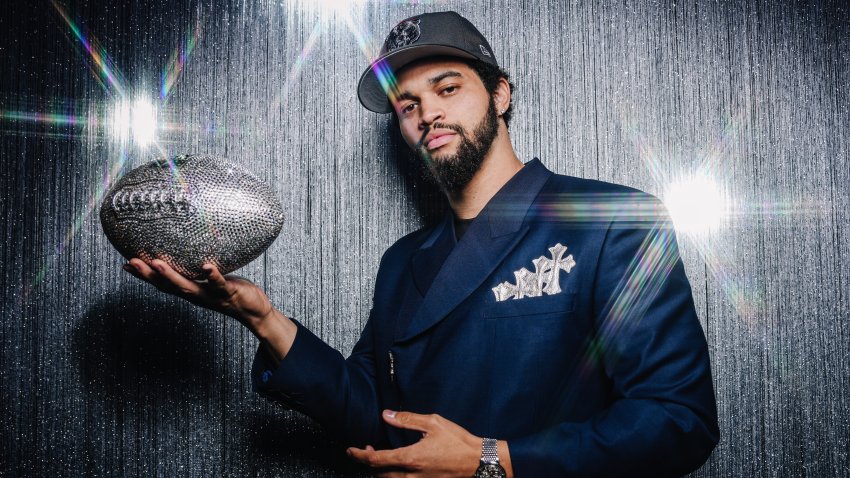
x=430 y=113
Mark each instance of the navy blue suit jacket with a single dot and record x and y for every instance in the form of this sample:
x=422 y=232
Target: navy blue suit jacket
x=608 y=375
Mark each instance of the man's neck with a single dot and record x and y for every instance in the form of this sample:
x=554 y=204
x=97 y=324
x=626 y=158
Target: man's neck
x=498 y=167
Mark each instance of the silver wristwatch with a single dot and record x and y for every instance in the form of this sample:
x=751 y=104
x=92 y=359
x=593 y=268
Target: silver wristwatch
x=489 y=467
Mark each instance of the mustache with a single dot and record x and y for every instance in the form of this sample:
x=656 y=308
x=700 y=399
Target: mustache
x=456 y=128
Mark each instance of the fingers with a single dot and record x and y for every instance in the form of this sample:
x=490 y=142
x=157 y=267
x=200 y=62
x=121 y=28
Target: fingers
x=163 y=277
x=143 y=271
x=398 y=457
x=412 y=421
x=214 y=276
x=132 y=270
x=181 y=283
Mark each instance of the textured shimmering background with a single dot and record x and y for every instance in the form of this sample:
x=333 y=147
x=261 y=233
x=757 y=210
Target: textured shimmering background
x=103 y=375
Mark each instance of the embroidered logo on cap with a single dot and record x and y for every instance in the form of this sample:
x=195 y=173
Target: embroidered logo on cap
x=403 y=34
x=484 y=50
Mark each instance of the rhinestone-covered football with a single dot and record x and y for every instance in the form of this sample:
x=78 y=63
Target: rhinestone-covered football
x=190 y=210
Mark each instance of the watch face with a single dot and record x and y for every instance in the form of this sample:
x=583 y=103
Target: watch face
x=490 y=470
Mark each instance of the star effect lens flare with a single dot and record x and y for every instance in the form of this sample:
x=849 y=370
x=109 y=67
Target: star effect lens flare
x=640 y=285
x=295 y=71
x=177 y=62
x=326 y=9
x=101 y=64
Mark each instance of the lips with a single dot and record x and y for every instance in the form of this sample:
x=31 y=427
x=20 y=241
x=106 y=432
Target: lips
x=439 y=139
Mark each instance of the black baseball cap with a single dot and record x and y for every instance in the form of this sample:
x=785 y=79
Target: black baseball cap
x=429 y=34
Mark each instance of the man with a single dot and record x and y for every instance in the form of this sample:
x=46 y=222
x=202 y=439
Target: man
x=544 y=328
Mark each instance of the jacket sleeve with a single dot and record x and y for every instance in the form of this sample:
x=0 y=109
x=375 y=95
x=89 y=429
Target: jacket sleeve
x=316 y=380
x=663 y=420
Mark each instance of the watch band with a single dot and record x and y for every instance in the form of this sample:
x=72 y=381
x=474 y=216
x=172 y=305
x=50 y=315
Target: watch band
x=489 y=451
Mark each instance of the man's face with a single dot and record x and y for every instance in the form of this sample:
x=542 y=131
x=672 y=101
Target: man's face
x=446 y=99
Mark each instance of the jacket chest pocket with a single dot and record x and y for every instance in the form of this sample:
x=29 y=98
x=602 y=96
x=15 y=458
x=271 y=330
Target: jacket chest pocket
x=530 y=332
x=532 y=307
x=533 y=342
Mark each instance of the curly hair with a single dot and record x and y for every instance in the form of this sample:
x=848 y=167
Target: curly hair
x=490 y=75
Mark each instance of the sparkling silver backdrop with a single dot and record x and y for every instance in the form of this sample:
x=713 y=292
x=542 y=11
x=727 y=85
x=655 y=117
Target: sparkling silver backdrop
x=103 y=375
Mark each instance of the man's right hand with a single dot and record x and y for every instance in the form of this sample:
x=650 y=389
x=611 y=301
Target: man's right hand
x=231 y=295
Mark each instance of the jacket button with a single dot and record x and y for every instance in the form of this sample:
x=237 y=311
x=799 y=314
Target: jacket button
x=266 y=376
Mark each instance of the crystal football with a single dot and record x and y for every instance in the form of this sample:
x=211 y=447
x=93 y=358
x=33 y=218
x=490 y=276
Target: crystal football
x=190 y=210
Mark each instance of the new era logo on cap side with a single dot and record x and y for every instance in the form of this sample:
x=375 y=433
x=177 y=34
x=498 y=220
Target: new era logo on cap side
x=403 y=34
x=484 y=50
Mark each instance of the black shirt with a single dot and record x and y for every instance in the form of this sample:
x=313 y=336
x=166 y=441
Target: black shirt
x=461 y=225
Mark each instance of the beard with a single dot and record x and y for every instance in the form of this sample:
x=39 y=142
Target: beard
x=452 y=173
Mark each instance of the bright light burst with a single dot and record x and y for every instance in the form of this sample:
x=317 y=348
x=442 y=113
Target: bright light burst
x=697 y=204
x=143 y=116
x=119 y=122
x=136 y=120
x=704 y=209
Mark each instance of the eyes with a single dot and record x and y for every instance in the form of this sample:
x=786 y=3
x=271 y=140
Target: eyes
x=408 y=108
x=443 y=91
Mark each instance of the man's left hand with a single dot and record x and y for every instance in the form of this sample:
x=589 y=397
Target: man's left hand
x=446 y=449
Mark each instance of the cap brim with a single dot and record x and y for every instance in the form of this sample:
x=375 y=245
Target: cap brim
x=369 y=90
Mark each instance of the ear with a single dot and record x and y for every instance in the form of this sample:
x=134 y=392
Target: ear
x=502 y=95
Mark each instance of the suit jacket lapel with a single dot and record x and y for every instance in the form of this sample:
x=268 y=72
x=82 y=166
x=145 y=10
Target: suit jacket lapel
x=426 y=262
x=423 y=266
x=491 y=236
